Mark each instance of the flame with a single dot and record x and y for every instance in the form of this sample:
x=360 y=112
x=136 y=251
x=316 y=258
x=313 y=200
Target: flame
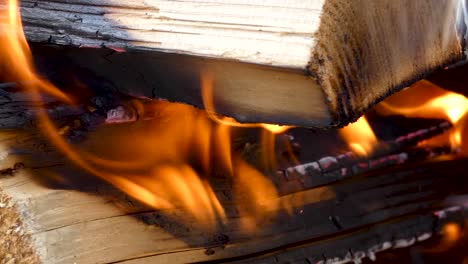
x=447 y=105
x=268 y=130
x=426 y=100
x=275 y=129
x=162 y=162
x=16 y=56
x=359 y=136
x=451 y=234
x=208 y=102
x=251 y=185
x=164 y=147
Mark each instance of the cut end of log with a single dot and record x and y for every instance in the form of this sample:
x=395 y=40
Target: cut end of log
x=15 y=243
x=366 y=51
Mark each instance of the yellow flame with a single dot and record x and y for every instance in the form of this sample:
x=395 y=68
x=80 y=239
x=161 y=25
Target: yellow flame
x=268 y=156
x=251 y=185
x=359 y=136
x=208 y=102
x=160 y=162
x=275 y=129
x=426 y=100
x=451 y=106
x=15 y=54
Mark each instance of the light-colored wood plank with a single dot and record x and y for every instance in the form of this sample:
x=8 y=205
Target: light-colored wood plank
x=94 y=223
x=328 y=61
x=275 y=32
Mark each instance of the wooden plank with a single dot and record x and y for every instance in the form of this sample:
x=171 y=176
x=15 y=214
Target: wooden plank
x=71 y=216
x=94 y=223
x=269 y=32
x=328 y=61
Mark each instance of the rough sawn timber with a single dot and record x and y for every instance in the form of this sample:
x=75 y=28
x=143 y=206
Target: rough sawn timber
x=310 y=63
x=68 y=217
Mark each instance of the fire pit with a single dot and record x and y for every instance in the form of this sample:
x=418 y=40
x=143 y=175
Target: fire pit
x=94 y=171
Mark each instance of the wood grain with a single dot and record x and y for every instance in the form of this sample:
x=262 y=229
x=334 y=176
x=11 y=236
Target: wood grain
x=71 y=217
x=329 y=61
x=268 y=32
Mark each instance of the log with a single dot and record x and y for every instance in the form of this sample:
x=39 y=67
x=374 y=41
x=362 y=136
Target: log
x=58 y=214
x=384 y=156
x=91 y=222
x=314 y=174
x=305 y=63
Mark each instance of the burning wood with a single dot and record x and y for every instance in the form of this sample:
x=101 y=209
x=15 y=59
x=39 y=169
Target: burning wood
x=406 y=192
x=310 y=66
x=177 y=164
x=385 y=154
x=362 y=144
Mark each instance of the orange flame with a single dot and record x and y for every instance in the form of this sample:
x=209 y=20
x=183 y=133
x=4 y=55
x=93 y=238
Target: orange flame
x=426 y=100
x=451 y=234
x=251 y=185
x=159 y=162
x=446 y=105
x=359 y=136
x=208 y=102
x=268 y=130
x=15 y=54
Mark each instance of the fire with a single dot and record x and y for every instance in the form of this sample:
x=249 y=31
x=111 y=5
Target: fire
x=444 y=104
x=15 y=54
x=359 y=136
x=426 y=100
x=421 y=100
x=208 y=102
x=451 y=234
x=267 y=135
x=275 y=129
x=164 y=161
x=251 y=185
x=177 y=162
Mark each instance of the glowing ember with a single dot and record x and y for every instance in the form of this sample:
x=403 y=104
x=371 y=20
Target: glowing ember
x=451 y=231
x=359 y=136
x=451 y=234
